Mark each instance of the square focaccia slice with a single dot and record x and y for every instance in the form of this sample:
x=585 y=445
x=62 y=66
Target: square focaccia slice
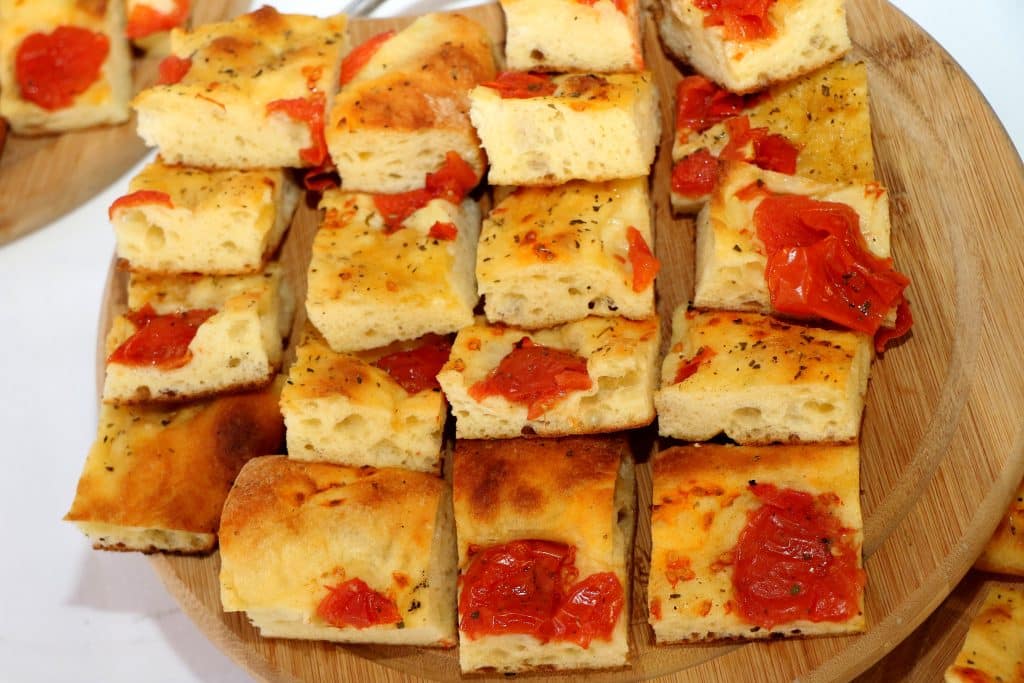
x=249 y=93
x=180 y=219
x=549 y=255
x=993 y=650
x=755 y=542
x=585 y=377
x=156 y=477
x=404 y=104
x=548 y=130
x=381 y=407
x=731 y=258
x=316 y=551
x=599 y=36
x=188 y=336
x=761 y=380
x=545 y=537
x=372 y=282
x=1004 y=553
x=817 y=126
x=745 y=50
x=42 y=90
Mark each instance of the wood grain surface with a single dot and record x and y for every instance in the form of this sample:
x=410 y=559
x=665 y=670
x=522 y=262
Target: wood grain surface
x=44 y=177
x=942 y=445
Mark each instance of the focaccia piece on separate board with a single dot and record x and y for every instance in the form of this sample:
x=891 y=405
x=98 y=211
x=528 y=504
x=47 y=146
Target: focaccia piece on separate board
x=548 y=130
x=711 y=565
x=730 y=270
x=584 y=377
x=156 y=477
x=994 y=647
x=549 y=255
x=180 y=219
x=761 y=380
x=399 y=113
x=599 y=36
x=1005 y=550
x=822 y=118
x=188 y=336
x=248 y=93
x=381 y=407
x=572 y=499
x=748 y=53
x=40 y=93
x=371 y=283
x=348 y=554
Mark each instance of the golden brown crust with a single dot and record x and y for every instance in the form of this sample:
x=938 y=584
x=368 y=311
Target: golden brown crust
x=1005 y=550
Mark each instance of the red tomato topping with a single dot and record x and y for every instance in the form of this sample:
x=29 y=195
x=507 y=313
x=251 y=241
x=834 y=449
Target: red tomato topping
x=416 y=370
x=443 y=231
x=645 y=266
x=740 y=19
x=144 y=20
x=701 y=104
x=819 y=265
x=536 y=376
x=140 y=198
x=160 y=340
x=904 y=321
x=690 y=367
x=794 y=560
x=357 y=59
x=530 y=587
x=322 y=177
x=173 y=69
x=759 y=147
x=522 y=85
x=621 y=5
x=695 y=175
x=52 y=69
x=353 y=603
x=452 y=182
x=678 y=569
x=311 y=111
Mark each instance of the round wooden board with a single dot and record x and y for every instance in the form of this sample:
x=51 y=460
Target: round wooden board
x=942 y=446
x=44 y=177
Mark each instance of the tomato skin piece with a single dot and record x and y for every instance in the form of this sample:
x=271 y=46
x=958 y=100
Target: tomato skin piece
x=739 y=19
x=52 y=69
x=443 y=231
x=769 y=151
x=309 y=110
x=355 y=604
x=522 y=85
x=700 y=104
x=160 y=340
x=172 y=69
x=690 y=367
x=356 y=59
x=904 y=321
x=645 y=265
x=590 y=610
x=452 y=182
x=695 y=175
x=145 y=21
x=416 y=370
x=139 y=198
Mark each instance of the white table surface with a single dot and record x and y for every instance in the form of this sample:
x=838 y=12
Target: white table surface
x=72 y=614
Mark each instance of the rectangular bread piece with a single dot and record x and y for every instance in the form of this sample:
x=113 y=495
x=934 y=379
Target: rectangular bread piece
x=994 y=647
x=156 y=477
x=382 y=407
x=599 y=36
x=238 y=324
x=549 y=255
x=354 y=555
x=179 y=219
x=795 y=37
x=370 y=285
x=711 y=565
x=823 y=115
x=43 y=96
x=249 y=93
x=585 y=377
x=518 y=500
x=1004 y=553
x=398 y=114
x=570 y=127
x=761 y=380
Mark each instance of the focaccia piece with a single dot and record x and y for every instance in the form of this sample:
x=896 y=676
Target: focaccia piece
x=156 y=477
x=552 y=255
x=48 y=95
x=824 y=115
x=237 y=324
x=350 y=410
x=1005 y=550
x=590 y=127
x=712 y=507
x=994 y=648
x=730 y=257
x=600 y=36
x=248 y=93
x=179 y=219
x=303 y=543
x=370 y=285
x=796 y=37
x=398 y=116
x=585 y=377
x=572 y=495
x=761 y=380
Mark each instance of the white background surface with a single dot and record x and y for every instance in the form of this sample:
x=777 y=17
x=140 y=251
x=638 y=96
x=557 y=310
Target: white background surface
x=71 y=614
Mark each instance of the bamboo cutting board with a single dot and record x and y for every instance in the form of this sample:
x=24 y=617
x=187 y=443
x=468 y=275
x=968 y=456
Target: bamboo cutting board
x=942 y=446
